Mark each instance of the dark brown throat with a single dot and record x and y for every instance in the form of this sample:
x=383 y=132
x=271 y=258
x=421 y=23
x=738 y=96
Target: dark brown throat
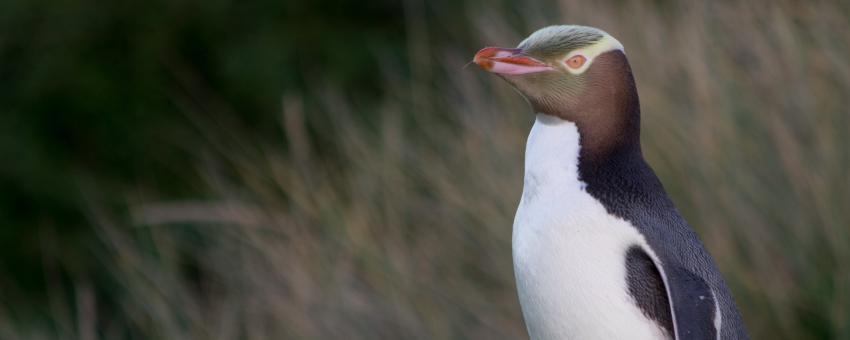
x=607 y=112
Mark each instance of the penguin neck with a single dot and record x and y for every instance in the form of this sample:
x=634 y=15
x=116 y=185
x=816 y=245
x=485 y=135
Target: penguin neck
x=609 y=140
x=565 y=155
x=558 y=164
x=596 y=143
x=557 y=145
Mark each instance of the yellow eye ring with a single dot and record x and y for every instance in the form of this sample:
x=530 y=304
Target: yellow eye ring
x=576 y=62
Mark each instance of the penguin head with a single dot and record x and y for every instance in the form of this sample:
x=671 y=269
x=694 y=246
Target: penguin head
x=563 y=70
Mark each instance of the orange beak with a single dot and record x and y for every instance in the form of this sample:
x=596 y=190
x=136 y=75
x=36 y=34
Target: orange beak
x=508 y=61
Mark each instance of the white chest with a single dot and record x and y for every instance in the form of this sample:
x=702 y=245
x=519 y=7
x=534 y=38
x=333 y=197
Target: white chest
x=569 y=253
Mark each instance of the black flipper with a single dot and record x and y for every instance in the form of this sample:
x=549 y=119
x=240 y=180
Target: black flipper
x=680 y=302
x=693 y=305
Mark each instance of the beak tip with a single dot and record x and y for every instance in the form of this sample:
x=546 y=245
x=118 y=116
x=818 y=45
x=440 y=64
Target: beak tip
x=484 y=63
x=482 y=58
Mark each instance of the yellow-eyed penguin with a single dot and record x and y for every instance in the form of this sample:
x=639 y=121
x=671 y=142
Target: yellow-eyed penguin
x=599 y=250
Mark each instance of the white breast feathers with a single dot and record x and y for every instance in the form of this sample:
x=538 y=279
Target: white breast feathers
x=569 y=253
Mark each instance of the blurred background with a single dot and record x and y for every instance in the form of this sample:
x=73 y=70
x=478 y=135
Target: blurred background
x=330 y=169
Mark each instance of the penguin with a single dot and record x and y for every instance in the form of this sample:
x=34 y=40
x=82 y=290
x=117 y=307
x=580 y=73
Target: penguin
x=599 y=249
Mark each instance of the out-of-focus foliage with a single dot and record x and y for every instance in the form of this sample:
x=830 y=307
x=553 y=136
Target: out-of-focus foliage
x=329 y=169
x=98 y=95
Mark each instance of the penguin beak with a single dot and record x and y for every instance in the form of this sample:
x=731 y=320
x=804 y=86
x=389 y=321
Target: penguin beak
x=508 y=61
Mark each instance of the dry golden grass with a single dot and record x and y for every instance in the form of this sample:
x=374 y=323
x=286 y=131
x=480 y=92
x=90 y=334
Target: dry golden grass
x=401 y=228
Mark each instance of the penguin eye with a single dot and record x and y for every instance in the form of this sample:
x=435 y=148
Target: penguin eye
x=576 y=61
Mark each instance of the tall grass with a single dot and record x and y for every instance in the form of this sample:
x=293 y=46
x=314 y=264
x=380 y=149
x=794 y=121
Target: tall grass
x=400 y=227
